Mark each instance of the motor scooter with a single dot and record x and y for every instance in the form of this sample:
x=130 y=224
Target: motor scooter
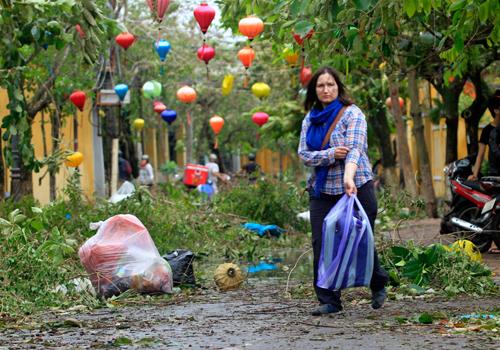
x=475 y=206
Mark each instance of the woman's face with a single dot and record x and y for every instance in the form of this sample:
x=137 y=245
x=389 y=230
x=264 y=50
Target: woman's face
x=327 y=89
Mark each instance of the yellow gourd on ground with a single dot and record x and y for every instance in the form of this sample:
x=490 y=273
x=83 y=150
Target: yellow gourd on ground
x=469 y=248
x=228 y=276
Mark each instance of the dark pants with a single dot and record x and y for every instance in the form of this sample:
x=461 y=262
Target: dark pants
x=319 y=208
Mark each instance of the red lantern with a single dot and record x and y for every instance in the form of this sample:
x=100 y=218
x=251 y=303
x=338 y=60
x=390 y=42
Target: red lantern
x=246 y=56
x=300 y=40
x=78 y=98
x=204 y=15
x=159 y=107
x=260 y=118
x=251 y=26
x=388 y=102
x=216 y=123
x=186 y=94
x=305 y=76
x=158 y=8
x=206 y=53
x=125 y=40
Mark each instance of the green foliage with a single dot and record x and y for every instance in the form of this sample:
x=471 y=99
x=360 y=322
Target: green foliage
x=266 y=202
x=444 y=270
x=395 y=208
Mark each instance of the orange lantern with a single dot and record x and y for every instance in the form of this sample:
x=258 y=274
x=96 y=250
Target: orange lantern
x=186 y=94
x=251 y=26
x=291 y=57
x=388 y=102
x=246 y=56
x=216 y=123
x=74 y=160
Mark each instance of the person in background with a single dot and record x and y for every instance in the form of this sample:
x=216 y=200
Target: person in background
x=124 y=168
x=251 y=169
x=484 y=139
x=213 y=171
x=146 y=175
x=341 y=166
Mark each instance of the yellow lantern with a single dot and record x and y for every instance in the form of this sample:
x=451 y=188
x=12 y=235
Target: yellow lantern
x=261 y=90
x=74 y=160
x=138 y=124
x=291 y=57
x=227 y=84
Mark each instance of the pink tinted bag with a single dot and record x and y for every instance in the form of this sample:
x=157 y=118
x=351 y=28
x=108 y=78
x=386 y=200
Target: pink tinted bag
x=122 y=256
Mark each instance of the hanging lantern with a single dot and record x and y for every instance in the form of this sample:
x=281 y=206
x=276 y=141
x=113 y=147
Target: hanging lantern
x=305 y=76
x=300 y=39
x=251 y=27
x=260 y=118
x=74 y=160
x=78 y=98
x=246 y=56
x=216 y=123
x=291 y=57
x=159 y=107
x=158 y=8
x=138 y=124
x=148 y=89
x=121 y=90
x=388 y=102
x=227 y=84
x=186 y=94
x=261 y=90
x=125 y=40
x=156 y=88
x=204 y=15
x=169 y=115
x=162 y=47
x=206 y=53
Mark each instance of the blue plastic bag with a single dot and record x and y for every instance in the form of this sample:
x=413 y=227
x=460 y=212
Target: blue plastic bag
x=346 y=258
x=262 y=230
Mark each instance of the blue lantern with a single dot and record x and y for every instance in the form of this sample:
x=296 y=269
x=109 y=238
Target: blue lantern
x=168 y=115
x=162 y=47
x=121 y=90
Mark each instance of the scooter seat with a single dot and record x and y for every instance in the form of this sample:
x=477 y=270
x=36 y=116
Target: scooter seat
x=495 y=179
x=473 y=185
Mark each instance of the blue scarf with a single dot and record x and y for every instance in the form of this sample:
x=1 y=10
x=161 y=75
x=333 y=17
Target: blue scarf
x=321 y=120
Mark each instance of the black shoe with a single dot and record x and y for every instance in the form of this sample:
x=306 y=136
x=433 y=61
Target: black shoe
x=325 y=309
x=378 y=298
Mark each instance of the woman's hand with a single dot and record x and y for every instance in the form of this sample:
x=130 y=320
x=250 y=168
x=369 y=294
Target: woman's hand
x=341 y=152
x=350 y=187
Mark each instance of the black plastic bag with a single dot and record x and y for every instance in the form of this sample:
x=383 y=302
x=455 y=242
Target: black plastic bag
x=181 y=262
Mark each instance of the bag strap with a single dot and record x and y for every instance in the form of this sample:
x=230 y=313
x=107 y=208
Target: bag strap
x=332 y=127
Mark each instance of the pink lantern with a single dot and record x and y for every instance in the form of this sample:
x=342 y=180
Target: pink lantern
x=159 y=107
x=204 y=15
x=206 y=53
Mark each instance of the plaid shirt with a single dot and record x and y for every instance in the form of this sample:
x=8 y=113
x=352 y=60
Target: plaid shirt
x=349 y=132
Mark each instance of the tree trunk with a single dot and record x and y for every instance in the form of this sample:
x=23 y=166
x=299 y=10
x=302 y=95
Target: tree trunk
x=55 y=127
x=427 y=188
x=450 y=101
x=403 y=149
x=189 y=138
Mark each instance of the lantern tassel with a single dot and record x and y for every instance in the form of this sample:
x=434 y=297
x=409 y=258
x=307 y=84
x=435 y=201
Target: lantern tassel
x=245 y=79
x=208 y=75
x=188 y=118
x=161 y=70
x=216 y=144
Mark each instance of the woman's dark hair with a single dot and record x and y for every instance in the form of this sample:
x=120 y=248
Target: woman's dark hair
x=494 y=102
x=311 y=96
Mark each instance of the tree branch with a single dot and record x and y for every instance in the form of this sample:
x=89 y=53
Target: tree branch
x=41 y=98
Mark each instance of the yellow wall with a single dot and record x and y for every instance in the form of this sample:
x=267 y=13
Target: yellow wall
x=41 y=191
